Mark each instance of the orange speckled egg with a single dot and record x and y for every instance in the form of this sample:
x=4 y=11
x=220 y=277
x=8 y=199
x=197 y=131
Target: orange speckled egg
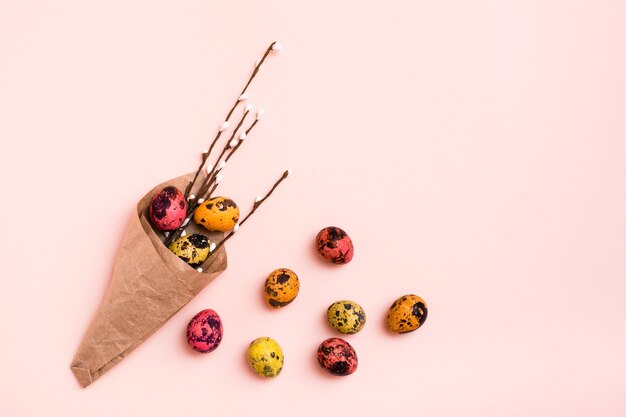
x=219 y=214
x=406 y=314
x=281 y=287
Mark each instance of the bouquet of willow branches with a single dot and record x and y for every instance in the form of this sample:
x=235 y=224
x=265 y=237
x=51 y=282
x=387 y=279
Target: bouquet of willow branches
x=173 y=247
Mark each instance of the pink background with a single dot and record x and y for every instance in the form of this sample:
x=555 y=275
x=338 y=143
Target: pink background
x=475 y=151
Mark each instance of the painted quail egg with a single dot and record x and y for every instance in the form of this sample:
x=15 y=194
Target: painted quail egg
x=193 y=249
x=219 y=214
x=281 y=287
x=346 y=316
x=204 y=331
x=335 y=245
x=406 y=314
x=266 y=357
x=168 y=209
x=337 y=357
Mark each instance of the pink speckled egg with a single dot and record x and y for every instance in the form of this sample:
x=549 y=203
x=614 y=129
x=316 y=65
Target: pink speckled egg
x=168 y=209
x=337 y=357
x=204 y=331
x=335 y=245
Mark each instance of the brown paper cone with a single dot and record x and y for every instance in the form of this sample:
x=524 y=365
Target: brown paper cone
x=149 y=285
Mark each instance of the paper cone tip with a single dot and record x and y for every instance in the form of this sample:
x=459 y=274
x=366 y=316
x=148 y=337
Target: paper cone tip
x=82 y=375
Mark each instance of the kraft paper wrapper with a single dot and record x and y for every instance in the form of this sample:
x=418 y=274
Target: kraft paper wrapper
x=149 y=285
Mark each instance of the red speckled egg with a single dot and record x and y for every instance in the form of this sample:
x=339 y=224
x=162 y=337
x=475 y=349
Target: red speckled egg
x=335 y=245
x=337 y=357
x=168 y=209
x=204 y=331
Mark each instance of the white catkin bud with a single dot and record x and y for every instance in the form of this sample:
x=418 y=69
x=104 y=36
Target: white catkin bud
x=218 y=178
x=260 y=113
x=212 y=247
x=191 y=197
x=184 y=233
x=209 y=168
x=166 y=234
x=243 y=97
x=199 y=269
x=257 y=62
x=243 y=136
x=186 y=222
x=233 y=143
x=288 y=172
x=248 y=107
x=222 y=164
x=224 y=126
x=205 y=151
x=236 y=227
x=200 y=200
x=277 y=47
x=257 y=199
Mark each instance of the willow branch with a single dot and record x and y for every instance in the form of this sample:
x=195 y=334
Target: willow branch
x=256 y=205
x=274 y=46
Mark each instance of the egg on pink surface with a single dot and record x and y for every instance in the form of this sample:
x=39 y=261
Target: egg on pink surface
x=337 y=356
x=204 y=331
x=335 y=245
x=168 y=209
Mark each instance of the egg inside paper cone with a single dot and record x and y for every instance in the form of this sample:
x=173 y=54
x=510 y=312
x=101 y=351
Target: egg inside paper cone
x=148 y=286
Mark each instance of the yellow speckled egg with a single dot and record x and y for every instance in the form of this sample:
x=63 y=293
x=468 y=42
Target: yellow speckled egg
x=346 y=316
x=406 y=314
x=265 y=357
x=281 y=287
x=219 y=214
x=193 y=249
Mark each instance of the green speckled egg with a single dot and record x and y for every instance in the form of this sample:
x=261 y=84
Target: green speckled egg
x=346 y=316
x=266 y=357
x=192 y=249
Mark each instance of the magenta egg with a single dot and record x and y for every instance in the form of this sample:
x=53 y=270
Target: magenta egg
x=204 y=331
x=168 y=209
x=335 y=245
x=336 y=356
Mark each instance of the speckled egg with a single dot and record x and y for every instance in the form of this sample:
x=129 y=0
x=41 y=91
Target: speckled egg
x=337 y=357
x=266 y=357
x=204 y=331
x=193 y=249
x=406 y=314
x=168 y=209
x=281 y=287
x=335 y=245
x=219 y=214
x=346 y=316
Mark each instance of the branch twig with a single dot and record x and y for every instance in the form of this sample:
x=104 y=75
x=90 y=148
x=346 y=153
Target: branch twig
x=274 y=46
x=256 y=205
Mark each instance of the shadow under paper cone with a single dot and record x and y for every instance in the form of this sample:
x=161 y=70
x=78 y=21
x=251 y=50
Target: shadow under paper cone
x=149 y=285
